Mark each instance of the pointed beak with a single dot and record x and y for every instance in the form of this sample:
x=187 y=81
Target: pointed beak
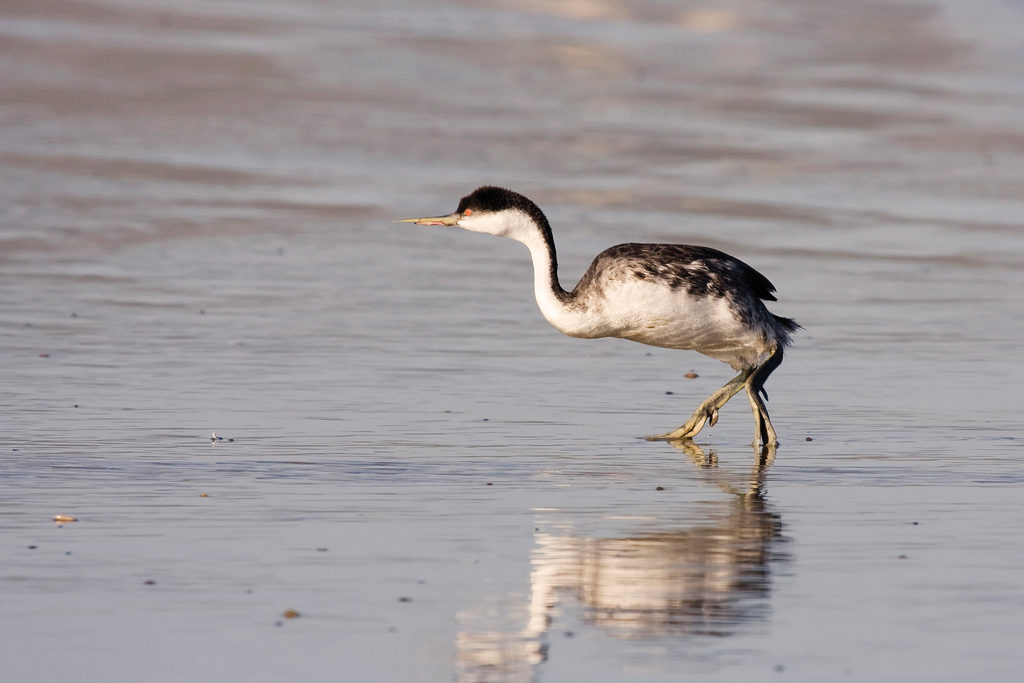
x=452 y=219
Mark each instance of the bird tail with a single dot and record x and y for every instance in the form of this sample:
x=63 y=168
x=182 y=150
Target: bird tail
x=786 y=327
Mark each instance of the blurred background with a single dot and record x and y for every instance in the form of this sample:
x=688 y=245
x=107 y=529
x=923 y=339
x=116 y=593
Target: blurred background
x=195 y=237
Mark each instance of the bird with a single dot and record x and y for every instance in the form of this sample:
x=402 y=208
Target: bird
x=672 y=296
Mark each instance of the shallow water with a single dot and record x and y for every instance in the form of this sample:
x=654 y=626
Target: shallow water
x=195 y=237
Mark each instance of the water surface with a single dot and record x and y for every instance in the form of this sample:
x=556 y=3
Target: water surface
x=195 y=237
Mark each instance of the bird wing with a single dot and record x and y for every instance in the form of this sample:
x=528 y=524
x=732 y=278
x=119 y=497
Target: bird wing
x=700 y=270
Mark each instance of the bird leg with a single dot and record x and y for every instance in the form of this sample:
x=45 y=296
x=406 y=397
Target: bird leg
x=764 y=433
x=753 y=381
x=708 y=410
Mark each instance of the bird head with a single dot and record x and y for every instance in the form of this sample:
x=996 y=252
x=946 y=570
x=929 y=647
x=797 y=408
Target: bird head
x=495 y=211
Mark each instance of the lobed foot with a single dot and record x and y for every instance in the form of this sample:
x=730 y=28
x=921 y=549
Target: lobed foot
x=707 y=412
x=753 y=381
x=690 y=429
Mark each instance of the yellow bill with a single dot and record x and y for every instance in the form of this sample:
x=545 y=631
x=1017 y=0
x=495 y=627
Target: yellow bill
x=452 y=219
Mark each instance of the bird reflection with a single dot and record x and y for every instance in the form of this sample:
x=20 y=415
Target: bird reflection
x=705 y=579
x=709 y=579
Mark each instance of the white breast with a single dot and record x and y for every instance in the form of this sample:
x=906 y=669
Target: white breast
x=650 y=312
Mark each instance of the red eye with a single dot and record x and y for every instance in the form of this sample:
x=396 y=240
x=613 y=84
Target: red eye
x=467 y=212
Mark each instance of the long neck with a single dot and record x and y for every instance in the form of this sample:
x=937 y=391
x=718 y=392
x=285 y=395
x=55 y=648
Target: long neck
x=546 y=287
x=554 y=302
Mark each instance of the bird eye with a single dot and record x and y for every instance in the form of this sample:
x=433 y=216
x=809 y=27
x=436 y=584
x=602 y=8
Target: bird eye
x=467 y=212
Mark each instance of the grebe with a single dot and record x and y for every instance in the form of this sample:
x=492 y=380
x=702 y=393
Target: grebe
x=669 y=295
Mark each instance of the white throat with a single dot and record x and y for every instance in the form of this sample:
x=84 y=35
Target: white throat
x=551 y=298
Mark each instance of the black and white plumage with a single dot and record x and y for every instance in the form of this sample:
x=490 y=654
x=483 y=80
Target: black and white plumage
x=669 y=295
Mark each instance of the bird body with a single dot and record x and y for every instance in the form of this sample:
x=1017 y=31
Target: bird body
x=668 y=295
x=676 y=297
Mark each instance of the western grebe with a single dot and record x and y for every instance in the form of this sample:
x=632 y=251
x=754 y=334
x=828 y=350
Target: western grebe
x=669 y=295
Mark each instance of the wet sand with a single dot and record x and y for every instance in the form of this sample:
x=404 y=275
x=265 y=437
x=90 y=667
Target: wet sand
x=195 y=237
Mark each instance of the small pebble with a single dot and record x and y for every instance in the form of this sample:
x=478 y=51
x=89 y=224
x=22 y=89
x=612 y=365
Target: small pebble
x=32 y=547
x=659 y=488
x=321 y=550
x=808 y=439
x=149 y=582
x=903 y=557
x=669 y=393
x=490 y=484
x=405 y=598
x=44 y=355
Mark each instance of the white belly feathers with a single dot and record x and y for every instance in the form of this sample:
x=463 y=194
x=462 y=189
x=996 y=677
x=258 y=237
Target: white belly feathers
x=652 y=313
